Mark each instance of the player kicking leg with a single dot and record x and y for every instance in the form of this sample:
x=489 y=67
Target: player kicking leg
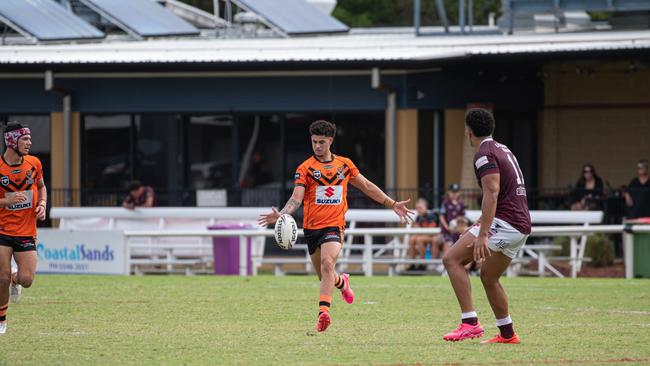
x=324 y=261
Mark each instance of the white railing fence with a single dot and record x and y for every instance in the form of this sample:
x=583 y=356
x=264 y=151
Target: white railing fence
x=368 y=247
x=169 y=236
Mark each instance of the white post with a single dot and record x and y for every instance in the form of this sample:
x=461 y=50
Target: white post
x=573 y=253
x=541 y=263
x=346 y=251
x=628 y=254
x=581 y=249
x=243 y=255
x=367 y=255
x=170 y=258
x=127 y=255
x=308 y=261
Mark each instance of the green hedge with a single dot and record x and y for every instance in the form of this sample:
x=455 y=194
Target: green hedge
x=600 y=249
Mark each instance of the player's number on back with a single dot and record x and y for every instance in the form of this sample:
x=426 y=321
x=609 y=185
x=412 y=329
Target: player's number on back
x=515 y=165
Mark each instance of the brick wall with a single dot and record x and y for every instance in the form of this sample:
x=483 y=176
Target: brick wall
x=597 y=113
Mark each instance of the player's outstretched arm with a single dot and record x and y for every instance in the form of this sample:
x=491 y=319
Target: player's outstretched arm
x=292 y=205
x=371 y=190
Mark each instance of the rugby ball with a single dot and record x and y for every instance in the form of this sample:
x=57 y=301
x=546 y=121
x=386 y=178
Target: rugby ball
x=286 y=231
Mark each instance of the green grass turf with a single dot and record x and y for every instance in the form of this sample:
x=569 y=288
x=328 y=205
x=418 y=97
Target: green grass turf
x=265 y=320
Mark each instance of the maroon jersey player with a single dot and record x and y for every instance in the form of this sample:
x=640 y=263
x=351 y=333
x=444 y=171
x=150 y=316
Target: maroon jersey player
x=498 y=235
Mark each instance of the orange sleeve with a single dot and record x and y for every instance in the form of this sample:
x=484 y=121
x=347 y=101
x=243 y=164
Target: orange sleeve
x=300 y=178
x=37 y=165
x=39 y=170
x=354 y=171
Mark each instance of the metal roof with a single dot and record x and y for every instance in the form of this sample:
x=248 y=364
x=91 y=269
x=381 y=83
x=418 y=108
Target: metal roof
x=335 y=48
x=45 y=20
x=293 y=17
x=141 y=18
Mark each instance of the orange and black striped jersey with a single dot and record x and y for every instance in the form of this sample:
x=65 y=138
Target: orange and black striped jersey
x=326 y=187
x=20 y=219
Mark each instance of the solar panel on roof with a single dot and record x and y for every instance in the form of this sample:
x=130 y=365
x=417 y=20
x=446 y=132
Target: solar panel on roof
x=45 y=20
x=293 y=17
x=141 y=18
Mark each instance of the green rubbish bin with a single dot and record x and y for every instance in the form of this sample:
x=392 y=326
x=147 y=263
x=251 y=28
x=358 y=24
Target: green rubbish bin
x=641 y=268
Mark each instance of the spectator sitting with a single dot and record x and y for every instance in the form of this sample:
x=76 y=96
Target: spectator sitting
x=589 y=190
x=418 y=243
x=637 y=194
x=451 y=208
x=458 y=227
x=139 y=196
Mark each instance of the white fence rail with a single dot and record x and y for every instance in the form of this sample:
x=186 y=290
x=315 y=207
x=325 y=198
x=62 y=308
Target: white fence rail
x=161 y=234
x=574 y=232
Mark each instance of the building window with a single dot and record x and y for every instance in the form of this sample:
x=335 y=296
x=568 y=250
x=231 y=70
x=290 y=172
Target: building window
x=260 y=160
x=107 y=151
x=254 y=157
x=209 y=146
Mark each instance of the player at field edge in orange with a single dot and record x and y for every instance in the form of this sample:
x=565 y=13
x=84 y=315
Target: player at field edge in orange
x=321 y=183
x=23 y=199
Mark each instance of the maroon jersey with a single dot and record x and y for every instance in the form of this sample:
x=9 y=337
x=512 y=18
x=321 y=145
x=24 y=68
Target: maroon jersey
x=451 y=210
x=512 y=204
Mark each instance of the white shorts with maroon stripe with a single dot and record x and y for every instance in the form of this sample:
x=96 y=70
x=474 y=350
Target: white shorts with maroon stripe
x=502 y=237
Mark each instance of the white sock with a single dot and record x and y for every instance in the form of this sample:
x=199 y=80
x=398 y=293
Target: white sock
x=471 y=314
x=505 y=321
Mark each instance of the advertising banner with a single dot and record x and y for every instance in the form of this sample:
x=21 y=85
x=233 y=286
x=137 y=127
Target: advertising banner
x=82 y=252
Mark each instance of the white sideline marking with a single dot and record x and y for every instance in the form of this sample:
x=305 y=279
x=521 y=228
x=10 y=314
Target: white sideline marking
x=633 y=312
x=614 y=311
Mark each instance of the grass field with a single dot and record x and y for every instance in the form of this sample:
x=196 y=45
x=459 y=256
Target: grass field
x=265 y=320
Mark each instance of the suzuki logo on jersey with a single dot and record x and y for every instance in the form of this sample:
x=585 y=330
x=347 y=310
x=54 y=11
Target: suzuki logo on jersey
x=27 y=203
x=329 y=195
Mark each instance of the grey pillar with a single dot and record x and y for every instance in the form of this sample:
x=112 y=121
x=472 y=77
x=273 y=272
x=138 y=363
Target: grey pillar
x=416 y=17
x=391 y=140
x=67 y=148
x=437 y=157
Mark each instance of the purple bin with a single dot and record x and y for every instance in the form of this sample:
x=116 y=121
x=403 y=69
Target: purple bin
x=226 y=251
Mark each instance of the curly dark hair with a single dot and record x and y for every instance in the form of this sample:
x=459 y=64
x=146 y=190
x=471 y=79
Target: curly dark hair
x=322 y=128
x=135 y=185
x=12 y=126
x=480 y=121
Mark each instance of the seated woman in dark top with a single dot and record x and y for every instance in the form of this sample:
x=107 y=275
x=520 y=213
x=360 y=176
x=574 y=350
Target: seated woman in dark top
x=589 y=190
